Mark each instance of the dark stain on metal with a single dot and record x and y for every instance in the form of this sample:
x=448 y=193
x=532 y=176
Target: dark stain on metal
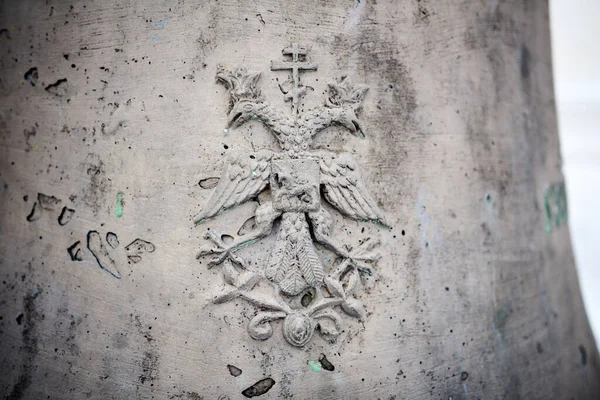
x=259 y=388
x=325 y=363
x=233 y=370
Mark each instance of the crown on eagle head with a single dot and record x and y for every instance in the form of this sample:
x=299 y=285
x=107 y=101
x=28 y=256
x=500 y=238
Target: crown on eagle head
x=241 y=84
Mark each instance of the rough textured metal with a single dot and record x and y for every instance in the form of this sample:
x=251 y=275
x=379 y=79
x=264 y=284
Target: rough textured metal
x=112 y=110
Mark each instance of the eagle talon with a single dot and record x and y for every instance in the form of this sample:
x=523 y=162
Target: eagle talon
x=223 y=250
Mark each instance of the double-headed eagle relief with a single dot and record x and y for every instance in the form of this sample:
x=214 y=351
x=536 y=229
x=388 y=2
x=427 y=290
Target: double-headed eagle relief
x=293 y=184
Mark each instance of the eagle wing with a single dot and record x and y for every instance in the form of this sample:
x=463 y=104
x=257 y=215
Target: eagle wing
x=244 y=178
x=344 y=189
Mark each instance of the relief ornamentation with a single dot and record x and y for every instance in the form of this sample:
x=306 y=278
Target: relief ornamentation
x=293 y=183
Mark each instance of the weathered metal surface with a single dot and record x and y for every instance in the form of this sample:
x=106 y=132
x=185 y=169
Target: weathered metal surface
x=113 y=135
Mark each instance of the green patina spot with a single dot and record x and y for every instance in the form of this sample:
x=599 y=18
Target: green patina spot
x=248 y=243
x=555 y=205
x=488 y=198
x=119 y=206
x=381 y=224
x=500 y=317
x=254 y=118
x=315 y=366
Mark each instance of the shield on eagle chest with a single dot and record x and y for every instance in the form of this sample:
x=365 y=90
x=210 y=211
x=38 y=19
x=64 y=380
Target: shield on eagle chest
x=295 y=185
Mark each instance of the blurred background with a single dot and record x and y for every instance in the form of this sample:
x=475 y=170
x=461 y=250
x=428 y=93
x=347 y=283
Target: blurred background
x=575 y=28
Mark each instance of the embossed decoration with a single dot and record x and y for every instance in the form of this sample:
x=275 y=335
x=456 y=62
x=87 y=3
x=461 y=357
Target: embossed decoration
x=303 y=292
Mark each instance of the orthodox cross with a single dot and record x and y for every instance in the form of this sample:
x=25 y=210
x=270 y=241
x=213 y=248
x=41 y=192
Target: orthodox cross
x=295 y=65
